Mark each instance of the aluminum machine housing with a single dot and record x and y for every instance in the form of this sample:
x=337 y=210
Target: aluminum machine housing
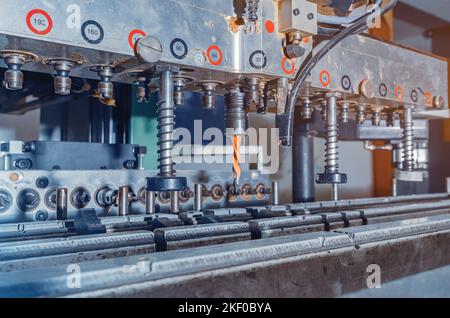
x=217 y=229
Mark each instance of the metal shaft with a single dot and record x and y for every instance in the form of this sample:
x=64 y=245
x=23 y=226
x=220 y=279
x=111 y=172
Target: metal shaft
x=61 y=203
x=166 y=125
x=394 y=187
x=303 y=163
x=275 y=199
x=174 y=202
x=198 y=197
x=123 y=201
x=334 y=192
x=408 y=139
x=150 y=204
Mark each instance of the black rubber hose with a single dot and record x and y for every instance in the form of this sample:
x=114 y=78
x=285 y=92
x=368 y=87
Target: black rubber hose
x=286 y=121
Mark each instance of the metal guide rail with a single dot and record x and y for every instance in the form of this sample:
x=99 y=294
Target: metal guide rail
x=128 y=268
x=210 y=227
x=125 y=251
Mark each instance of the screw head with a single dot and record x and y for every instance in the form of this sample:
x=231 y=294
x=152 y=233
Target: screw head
x=149 y=49
x=296 y=12
x=41 y=216
x=42 y=182
x=439 y=102
x=23 y=164
x=129 y=164
x=367 y=89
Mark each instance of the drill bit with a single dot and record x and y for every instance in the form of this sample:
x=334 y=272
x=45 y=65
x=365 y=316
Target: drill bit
x=237 y=158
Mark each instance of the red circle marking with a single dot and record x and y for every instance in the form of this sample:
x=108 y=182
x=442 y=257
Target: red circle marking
x=270 y=26
x=46 y=15
x=211 y=59
x=132 y=34
x=306 y=40
x=285 y=63
x=325 y=78
x=398 y=91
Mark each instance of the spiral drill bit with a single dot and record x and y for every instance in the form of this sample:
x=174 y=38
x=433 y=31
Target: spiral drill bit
x=236 y=122
x=237 y=158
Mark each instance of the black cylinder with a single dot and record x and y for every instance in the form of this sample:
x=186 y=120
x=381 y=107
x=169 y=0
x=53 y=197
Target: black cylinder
x=303 y=164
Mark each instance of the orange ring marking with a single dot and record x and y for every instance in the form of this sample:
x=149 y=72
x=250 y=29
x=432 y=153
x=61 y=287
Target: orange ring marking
x=325 y=83
x=283 y=66
x=210 y=59
x=132 y=34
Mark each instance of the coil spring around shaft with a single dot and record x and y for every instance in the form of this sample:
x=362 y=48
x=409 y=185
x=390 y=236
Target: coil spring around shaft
x=332 y=150
x=408 y=146
x=252 y=7
x=166 y=124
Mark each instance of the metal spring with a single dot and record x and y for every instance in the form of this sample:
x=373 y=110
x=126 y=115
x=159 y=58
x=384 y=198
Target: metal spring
x=408 y=142
x=252 y=7
x=166 y=124
x=332 y=150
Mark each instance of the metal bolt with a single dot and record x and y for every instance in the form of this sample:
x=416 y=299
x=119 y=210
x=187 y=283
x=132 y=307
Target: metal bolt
x=344 y=115
x=367 y=89
x=439 y=102
x=361 y=114
x=252 y=6
x=174 y=202
x=41 y=216
x=306 y=110
x=209 y=97
x=23 y=164
x=42 y=182
x=275 y=194
x=198 y=197
x=141 y=92
x=149 y=49
x=105 y=86
x=390 y=118
x=376 y=117
x=179 y=84
x=252 y=93
x=62 y=82
x=61 y=203
x=123 y=201
x=323 y=110
x=150 y=202
x=129 y=164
